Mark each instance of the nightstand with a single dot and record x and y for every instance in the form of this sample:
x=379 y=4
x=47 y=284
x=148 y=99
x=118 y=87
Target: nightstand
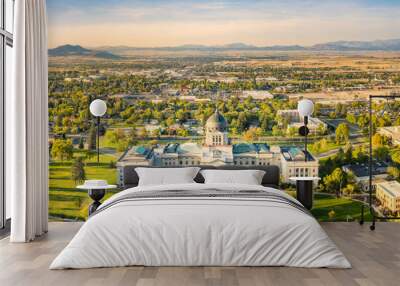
x=96 y=190
x=304 y=190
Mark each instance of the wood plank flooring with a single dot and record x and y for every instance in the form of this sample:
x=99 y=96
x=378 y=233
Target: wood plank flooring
x=375 y=257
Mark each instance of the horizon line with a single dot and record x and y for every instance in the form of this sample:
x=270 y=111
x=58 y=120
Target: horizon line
x=221 y=45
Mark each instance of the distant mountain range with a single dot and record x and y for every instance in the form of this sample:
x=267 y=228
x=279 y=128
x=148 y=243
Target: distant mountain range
x=76 y=50
x=112 y=52
x=378 y=45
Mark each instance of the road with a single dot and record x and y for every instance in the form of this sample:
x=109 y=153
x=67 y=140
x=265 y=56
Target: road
x=334 y=151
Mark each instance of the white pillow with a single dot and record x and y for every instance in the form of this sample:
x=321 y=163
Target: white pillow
x=248 y=177
x=166 y=176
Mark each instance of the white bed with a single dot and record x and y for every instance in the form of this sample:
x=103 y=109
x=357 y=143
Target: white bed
x=200 y=231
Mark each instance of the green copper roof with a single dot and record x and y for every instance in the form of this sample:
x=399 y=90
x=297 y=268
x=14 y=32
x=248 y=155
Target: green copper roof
x=250 y=148
x=140 y=150
x=217 y=120
x=189 y=148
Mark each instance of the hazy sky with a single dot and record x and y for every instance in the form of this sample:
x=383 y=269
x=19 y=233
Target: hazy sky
x=169 y=23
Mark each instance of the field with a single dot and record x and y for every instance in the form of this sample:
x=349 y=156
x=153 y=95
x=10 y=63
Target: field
x=345 y=209
x=67 y=202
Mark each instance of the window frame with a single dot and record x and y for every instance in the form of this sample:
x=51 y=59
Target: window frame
x=6 y=39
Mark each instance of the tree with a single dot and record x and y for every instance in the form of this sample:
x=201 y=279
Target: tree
x=340 y=157
x=92 y=138
x=331 y=214
x=242 y=122
x=348 y=153
x=317 y=109
x=182 y=132
x=351 y=118
x=113 y=136
x=333 y=182
x=153 y=143
x=142 y=133
x=363 y=122
x=170 y=121
x=396 y=157
x=379 y=140
x=394 y=173
x=264 y=123
x=349 y=189
x=276 y=131
x=252 y=134
x=316 y=147
x=320 y=145
x=292 y=131
x=381 y=153
x=132 y=135
x=122 y=145
x=181 y=115
x=342 y=133
x=340 y=110
x=156 y=133
x=62 y=149
x=321 y=130
x=78 y=170
x=81 y=143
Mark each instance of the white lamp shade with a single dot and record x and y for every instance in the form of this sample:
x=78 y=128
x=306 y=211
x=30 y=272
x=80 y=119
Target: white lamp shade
x=305 y=107
x=98 y=107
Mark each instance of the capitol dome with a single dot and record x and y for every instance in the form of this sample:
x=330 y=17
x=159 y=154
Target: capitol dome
x=217 y=122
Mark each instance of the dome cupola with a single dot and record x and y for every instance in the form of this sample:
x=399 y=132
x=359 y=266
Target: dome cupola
x=216 y=122
x=216 y=130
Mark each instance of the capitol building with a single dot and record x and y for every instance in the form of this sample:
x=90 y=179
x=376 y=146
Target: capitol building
x=218 y=150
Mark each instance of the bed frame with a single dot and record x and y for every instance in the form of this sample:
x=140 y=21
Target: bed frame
x=270 y=179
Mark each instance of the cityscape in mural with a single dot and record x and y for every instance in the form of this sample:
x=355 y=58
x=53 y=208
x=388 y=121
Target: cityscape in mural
x=178 y=100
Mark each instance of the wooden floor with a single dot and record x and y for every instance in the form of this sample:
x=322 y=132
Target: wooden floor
x=375 y=257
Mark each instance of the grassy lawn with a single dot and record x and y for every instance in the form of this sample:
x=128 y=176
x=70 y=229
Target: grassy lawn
x=344 y=208
x=65 y=201
x=329 y=146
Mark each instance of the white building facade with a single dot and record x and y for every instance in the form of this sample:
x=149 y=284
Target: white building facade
x=293 y=119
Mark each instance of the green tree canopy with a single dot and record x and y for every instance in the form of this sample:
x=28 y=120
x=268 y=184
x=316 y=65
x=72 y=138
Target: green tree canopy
x=78 y=170
x=334 y=182
x=92 y=138
x=342 y=133
x=62 y=149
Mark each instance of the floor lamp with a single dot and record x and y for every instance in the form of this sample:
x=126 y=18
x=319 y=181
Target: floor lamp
x=305 y=108
x=304 y=182
x=374 y=214
x=98 y=108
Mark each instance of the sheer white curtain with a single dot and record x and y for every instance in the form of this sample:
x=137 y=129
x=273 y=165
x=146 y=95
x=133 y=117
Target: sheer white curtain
x=27 y=124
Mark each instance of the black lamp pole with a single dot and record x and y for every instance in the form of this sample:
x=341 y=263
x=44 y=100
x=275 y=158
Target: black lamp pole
x=305 y=137
x=374 y=215
x=98 y=108
x=370 y=157
x=98 y=139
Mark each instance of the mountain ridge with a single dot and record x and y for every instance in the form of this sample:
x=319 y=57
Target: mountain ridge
x=389 y=45
x=77 y=50
x=111 y=52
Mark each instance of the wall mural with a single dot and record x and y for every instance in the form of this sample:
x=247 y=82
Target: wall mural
x=218 y=83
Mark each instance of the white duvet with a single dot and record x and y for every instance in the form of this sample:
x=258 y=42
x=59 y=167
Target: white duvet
x=202 y=232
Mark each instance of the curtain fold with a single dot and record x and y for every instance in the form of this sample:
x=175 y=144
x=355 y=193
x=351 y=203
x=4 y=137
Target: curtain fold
x=27 y=124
